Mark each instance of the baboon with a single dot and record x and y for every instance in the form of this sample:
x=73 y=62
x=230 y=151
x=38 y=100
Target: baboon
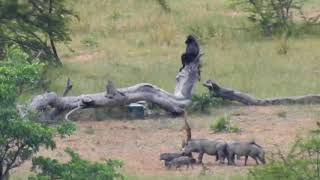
x=167 y=157
x=192 y=51
x=112 y=91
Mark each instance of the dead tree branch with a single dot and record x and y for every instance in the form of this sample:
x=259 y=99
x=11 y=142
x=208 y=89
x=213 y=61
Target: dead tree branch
x=233 y=95
x=50 y=105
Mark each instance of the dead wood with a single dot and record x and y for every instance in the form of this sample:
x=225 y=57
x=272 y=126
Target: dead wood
x=234 y=95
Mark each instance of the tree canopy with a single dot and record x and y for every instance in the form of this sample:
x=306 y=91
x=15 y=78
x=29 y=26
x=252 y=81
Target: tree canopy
x=34 y=26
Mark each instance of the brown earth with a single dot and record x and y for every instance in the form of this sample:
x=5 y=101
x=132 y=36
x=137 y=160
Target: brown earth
x=139 y=142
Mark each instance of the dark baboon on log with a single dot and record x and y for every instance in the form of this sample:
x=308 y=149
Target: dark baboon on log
x=192 y=51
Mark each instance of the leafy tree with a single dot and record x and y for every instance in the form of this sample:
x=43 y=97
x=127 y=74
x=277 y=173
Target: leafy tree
x=35 y=26
x=76 y=168
x=20 y=137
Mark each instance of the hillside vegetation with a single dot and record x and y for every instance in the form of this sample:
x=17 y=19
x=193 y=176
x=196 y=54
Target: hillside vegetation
x=132 y=41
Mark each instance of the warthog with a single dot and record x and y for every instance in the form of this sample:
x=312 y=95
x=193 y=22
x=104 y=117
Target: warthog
x=204 y=146
x=180 y=161
x=245 y=149
x=167 y=157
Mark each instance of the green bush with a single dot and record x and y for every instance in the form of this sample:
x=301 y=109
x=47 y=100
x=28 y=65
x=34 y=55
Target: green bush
x=76 y=168
x=90 y=41
x=20 y=136
x=302 y=161
x=272 y=16
x=202 y=103
x=223 y=124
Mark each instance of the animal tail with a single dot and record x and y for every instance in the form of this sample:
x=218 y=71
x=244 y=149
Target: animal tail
x=253 y=142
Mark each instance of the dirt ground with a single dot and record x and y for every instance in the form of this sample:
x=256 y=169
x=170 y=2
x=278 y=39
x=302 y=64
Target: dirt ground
x=139 y=142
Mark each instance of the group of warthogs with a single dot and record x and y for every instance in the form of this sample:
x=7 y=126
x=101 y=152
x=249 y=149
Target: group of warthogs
x=219 y=148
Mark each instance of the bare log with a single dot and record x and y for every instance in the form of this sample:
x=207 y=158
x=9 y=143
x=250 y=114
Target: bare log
x=233 y=95
x=187 y=78
x=50 y=105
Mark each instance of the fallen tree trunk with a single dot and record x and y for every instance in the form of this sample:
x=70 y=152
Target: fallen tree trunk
x=233 y=95
x=50 y=105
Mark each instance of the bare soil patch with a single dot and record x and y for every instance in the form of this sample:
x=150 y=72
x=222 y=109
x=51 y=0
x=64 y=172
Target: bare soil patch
x=139 y=142
x=83 y=57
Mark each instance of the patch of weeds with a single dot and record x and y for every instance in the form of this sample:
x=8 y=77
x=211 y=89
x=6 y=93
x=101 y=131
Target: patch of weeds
x=89 y=130
x=116 y=15
x=223 y=124
x=66 y=129
x=282 y=114
x=202 y=103
x=90 y=41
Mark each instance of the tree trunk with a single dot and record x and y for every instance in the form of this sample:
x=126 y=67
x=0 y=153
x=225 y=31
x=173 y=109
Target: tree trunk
x=53 y=46
x=233 y=95
x=50 y=105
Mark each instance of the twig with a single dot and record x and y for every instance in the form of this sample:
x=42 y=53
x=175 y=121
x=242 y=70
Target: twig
x=67 y=88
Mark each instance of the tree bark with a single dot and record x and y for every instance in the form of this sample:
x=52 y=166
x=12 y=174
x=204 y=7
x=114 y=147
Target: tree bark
x=50 y=105
x=53 y=46
x=233 y=95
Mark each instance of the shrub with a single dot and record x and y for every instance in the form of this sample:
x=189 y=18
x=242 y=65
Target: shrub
x=90 y=41
x=76 y=168
x=202 y=103
x=223 y=124
x=302 y=161
x=272 y=16
x=20 y=136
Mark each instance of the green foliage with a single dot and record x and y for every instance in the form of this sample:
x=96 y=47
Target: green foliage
x=90 y=41
x=19 y=138
x=223 y=124
x=76 y=168
x=302 y=161
x=273 y=17
x=202 y=103
x=66 y=129
x=16 y=73
x=30 y=24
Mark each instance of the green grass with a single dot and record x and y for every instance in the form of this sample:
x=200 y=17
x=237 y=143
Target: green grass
x=135 y=41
